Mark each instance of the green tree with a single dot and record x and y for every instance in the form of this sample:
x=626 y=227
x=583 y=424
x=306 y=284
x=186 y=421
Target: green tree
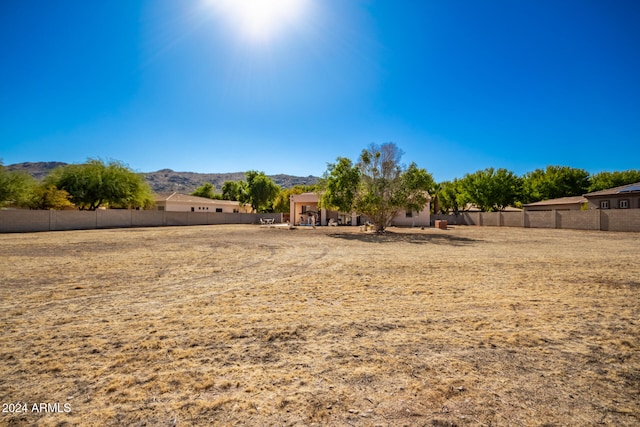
x=261 y=191
x=95 y=183
x=377 y=186
x=340 y=185
x=606 y=180
x=15 y=187
x=47 y=196
x=450 y=197
x=554 y=182
x=282 y=202
x=490 y=189
x=234 y=190
x=207 y=190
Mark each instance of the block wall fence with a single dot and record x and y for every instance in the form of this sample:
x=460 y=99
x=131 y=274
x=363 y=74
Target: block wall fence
x=23 y=221
x=594 y=219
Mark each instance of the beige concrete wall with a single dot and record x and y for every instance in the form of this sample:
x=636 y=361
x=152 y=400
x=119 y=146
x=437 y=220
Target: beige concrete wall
x=74 y=220
x=620 y=219
x=512 y=219
x=491 y=219
x=112 y=218
x=593 y=219
x=540 y=219
x=22 y=221
x=578 y=220
x=147 y=219
x=16 y=221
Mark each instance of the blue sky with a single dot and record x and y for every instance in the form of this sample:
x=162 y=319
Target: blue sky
x=458 y=85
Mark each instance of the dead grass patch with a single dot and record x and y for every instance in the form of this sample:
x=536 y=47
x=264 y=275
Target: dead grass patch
x=241 y=325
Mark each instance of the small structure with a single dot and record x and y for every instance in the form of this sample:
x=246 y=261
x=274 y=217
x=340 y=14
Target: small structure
x=623 y=197
x=305 y=210
x=176 y=202
x=560 y=204
x=441 y=224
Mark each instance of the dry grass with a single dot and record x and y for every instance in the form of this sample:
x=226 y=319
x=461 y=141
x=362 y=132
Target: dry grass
x=241 y=325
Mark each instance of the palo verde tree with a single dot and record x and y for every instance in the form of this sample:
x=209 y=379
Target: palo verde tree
x=48 y=196
x=378 y=186
x=16 y=188
x=95 y=184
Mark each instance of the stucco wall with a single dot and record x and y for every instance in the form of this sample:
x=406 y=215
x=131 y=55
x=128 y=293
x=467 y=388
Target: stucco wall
x=17 y=221
x=578 y=220
x=620 y=219
x=540 y=219
x=593 y=219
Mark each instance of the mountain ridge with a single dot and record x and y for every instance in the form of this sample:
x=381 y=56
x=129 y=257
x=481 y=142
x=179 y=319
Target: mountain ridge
x=167 y=180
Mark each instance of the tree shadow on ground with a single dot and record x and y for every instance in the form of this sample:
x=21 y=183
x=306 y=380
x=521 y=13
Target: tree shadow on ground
x=414 y=238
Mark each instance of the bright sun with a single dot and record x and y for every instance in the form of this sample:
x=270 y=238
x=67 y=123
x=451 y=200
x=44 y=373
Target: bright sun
x=260 y=20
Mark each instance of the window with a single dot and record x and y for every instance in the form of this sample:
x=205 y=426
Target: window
x=604 y=204
x=193 y=209
x=160 y=208
x=624 y=204
x=218 y=209
x=236 y=211
x=409 y=214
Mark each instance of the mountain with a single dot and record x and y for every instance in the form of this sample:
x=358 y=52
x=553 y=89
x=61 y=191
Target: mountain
x=167 y=180
x=37 y=170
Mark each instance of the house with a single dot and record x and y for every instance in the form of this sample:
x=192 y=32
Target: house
x=305 y=210
x=560 y=204
x=623 y=197
x=176 y=202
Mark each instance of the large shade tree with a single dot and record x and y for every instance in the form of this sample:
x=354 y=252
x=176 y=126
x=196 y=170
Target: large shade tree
x=490 y=189
x=606 y=180
x=450 y=197
x=260 y=191
x=554 y=182
x=206 y=190
x=16 y=188
x=95 y=183
x=378 y=186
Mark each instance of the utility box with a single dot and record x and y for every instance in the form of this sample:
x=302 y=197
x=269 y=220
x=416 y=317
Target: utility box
x=441 y=224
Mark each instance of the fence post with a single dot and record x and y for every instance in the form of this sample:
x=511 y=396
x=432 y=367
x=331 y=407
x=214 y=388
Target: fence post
x=599 y=220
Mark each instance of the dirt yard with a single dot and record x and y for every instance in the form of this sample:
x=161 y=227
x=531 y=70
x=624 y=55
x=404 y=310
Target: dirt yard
x=242 y=325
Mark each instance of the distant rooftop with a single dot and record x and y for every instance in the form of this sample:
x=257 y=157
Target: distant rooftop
x=629 y=188
x=559 y=201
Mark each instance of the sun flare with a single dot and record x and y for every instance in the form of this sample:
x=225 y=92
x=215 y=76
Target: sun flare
x=260 y=20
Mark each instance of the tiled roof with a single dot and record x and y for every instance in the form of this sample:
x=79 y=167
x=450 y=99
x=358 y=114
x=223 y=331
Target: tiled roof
x=559 y=201
x=629 y=188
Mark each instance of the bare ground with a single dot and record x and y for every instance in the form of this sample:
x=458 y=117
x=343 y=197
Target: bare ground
x=242 y=325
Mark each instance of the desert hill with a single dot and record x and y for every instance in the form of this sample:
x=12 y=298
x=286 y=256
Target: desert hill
x=167 y=180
